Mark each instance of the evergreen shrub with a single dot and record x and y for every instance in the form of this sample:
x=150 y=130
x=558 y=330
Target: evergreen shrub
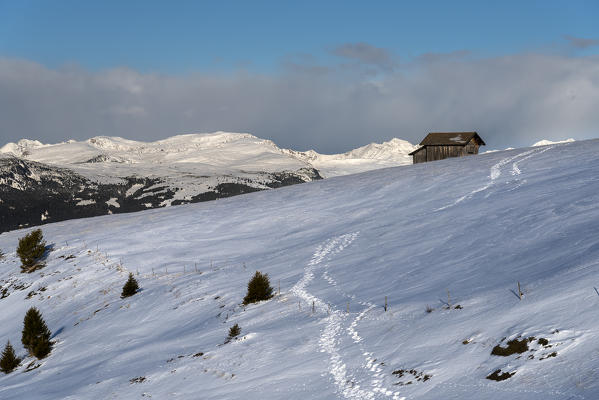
x=36 y=335
x=130 y=287
x=31 y=249
x=9 y=360
x=258 y=289
x=234 y=331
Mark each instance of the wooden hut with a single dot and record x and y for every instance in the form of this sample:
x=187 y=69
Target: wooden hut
x=440 y=145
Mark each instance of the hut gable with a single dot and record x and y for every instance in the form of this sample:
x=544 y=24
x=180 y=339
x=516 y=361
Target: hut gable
x=441 y=145
x=451 y=139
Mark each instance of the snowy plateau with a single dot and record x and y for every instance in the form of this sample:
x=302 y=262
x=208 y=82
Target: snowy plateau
x=443 y=243
x=106 y=175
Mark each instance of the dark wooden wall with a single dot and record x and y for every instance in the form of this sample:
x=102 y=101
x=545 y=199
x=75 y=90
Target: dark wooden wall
x=434 y=153
x=471 y=148
x=419 y=156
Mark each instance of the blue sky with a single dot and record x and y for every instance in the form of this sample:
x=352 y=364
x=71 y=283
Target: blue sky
x=329 y=75
x=184 y=36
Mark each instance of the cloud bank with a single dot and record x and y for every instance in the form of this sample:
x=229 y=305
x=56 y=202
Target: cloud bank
x=511 y=101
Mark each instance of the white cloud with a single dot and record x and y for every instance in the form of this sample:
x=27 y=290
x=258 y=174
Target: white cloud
x=511 y=101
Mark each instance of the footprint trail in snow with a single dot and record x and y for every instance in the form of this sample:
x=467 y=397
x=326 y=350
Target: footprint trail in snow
x=331 y=335
x=496 y=173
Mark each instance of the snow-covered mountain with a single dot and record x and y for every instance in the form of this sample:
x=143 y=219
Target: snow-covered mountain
x=452 y=237
x=111 y=175
x=218 y=153
x=372 y=156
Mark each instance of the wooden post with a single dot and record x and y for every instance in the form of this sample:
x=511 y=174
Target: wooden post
x=299 y=305
x=196 y=266
x=279 y=287
x=348 y=307
x=448 y=299
x=519 y=291
x=313 y=308
x=385 y=303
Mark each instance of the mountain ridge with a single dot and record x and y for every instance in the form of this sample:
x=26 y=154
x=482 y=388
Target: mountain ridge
x=117 y=149
x=104 y=175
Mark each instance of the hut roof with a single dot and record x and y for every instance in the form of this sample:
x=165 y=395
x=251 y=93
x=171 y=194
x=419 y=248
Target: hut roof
x=416 y=151
x=450 y=139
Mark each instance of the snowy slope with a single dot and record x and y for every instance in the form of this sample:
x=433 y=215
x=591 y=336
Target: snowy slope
x=546 y=142
x=474 y=226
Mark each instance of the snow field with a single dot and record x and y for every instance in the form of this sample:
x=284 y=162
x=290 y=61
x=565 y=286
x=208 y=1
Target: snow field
x=398 y=232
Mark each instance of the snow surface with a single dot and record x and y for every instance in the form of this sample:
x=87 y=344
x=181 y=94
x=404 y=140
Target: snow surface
x=543 y=142
x=546 y=142
x=474 y=226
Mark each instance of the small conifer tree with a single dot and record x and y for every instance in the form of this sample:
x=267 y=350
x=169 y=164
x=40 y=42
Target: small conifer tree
x=234 y=331
x=36 y=335
x=258 y=289
x=42 y=348
x=130 y=287
x=9 y=360
x=30 y=249
x=1 y=255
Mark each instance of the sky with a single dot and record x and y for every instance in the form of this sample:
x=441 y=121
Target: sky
x=329 y=76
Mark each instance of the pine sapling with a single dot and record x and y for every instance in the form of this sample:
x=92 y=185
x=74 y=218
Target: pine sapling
x=31 y=249
x=9 y=360
x=36 y=335
x=42 y=348
x=234 y=331
x=258 y=289
x=130 y=288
